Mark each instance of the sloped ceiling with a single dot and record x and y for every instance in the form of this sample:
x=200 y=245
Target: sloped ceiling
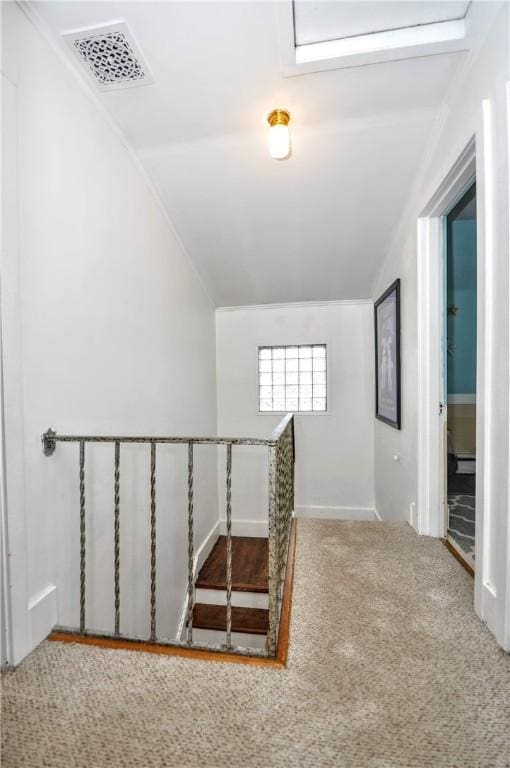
x=313 y=227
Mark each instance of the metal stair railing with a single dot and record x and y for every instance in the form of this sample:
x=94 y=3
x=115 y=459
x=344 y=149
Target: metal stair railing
x=281 y=457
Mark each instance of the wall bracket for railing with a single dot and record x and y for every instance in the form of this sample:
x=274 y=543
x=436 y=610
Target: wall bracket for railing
x=49 y=443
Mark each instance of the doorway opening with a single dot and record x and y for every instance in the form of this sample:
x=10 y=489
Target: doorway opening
x=459 y=375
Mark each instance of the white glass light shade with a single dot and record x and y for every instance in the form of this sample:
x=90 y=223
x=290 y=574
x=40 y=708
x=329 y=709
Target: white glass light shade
x=279 y=134
x=279 y=141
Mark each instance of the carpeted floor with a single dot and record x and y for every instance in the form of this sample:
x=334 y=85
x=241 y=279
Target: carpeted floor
x=389 y=667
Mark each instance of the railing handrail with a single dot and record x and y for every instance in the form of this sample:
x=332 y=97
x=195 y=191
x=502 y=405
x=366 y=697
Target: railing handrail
x=50 y=437
x=160 y=439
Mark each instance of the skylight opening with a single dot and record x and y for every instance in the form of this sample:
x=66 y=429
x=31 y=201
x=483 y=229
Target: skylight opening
x=357 y=33
x=321 y=22
x=376 y=42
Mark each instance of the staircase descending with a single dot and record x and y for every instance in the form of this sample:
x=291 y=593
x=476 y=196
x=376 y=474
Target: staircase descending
x=250 y=615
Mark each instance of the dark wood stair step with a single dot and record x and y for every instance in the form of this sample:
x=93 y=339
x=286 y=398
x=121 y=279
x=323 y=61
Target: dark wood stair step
x=253 y=621
x=249 y=565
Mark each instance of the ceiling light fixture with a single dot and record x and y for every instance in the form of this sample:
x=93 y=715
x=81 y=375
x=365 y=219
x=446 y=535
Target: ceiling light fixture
x=279 y=135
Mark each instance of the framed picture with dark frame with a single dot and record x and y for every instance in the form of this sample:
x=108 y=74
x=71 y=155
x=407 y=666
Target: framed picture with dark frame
x=387 y=356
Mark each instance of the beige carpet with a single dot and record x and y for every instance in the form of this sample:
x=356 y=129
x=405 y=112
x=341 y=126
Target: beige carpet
x=388 y=667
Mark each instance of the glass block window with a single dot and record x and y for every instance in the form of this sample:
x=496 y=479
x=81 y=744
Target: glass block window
x=293 y=378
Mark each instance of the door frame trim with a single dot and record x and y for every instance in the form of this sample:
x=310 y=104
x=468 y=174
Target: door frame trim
x=430 y=261
x=17 y=642
x=477 y=160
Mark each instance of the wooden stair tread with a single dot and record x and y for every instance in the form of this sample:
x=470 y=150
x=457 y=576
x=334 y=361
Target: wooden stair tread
x=253 y=621
x=249 y=565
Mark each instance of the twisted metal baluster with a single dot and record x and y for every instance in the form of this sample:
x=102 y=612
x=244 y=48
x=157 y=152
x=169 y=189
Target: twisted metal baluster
x=189 y=619
x=292 y=460
x=116 y=532
x=273 y=553
x=229 y=545
x=82 y=537
x=281 y=505
x=288 y=482
x=289 y=466
x=153 y=541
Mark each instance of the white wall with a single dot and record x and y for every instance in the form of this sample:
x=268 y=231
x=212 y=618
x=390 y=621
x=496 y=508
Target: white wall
x=117 y=337
x=395 y=481
x=484 y=77
x=334 y=450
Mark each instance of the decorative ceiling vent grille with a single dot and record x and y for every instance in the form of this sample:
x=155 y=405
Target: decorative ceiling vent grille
x=111 y=56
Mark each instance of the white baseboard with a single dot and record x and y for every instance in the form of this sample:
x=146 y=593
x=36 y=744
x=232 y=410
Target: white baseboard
x=201 y=556
x=461 y=399
x=205 y=548
x=377 y=516
x=336 y=513
x=413 y=518
x=42 y=611
x=245 y=527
